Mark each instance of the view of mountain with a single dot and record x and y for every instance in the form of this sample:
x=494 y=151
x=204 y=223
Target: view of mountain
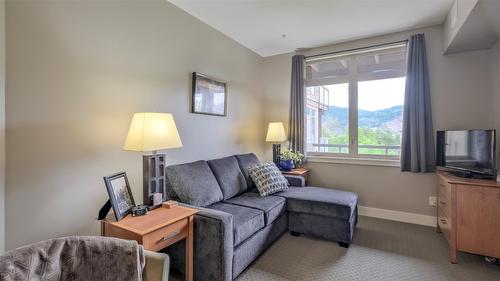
x=390 y=118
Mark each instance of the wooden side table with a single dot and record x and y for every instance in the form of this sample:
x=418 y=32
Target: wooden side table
x=157 y=230
x=302 y=172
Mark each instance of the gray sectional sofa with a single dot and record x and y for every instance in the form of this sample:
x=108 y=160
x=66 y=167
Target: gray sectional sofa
x=235 y=224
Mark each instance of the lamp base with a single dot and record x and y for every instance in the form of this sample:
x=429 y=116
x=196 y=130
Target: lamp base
x=154 y=171
x=276 y=154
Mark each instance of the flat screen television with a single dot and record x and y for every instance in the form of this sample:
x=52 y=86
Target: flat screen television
x=468 y=153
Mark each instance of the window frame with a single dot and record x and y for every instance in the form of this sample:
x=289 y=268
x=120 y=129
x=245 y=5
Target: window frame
x=353 y=157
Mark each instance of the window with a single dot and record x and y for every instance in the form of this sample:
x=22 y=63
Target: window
x=354 y=103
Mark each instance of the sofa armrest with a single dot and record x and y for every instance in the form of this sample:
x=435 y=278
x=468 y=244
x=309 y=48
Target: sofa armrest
x=296 y=181
x=213 y=246
x=157 y=267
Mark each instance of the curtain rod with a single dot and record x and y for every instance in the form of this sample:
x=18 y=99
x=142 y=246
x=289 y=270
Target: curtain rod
x=356 y=49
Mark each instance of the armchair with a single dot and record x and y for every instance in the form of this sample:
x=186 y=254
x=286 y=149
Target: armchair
x=83 y=258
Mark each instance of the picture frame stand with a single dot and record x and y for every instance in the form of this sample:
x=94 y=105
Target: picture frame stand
x=103 y=212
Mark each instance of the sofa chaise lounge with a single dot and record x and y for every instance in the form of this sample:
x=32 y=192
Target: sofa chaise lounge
x=235 y=224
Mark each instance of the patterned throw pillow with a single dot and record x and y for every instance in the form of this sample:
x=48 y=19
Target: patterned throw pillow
x=268 y=178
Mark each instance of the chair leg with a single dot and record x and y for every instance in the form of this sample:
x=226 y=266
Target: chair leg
x=344 y=245
x=293 y=233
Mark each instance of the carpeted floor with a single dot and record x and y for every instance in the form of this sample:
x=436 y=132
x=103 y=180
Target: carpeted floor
x=382 y=250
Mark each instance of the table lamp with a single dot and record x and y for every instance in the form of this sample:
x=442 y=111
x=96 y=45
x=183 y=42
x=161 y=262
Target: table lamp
x=276 y=134
x=150 y=132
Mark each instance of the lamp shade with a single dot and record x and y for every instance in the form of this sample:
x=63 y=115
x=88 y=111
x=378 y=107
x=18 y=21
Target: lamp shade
x=152 y=131
x=275 y=132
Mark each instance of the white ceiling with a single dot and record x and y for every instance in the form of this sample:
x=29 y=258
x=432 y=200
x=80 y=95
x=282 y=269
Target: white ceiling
x=260 y=24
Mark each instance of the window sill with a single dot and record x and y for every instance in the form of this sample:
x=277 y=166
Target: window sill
x=355 y=161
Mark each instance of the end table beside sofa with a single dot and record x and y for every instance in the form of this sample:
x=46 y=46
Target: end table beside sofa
x=234 y=224
x=302 y=172
x=161 y=228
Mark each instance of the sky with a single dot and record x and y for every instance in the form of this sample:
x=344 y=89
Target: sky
x=372 y=95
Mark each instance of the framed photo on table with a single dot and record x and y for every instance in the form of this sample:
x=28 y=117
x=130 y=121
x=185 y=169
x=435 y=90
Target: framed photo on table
x=120 y=194
x=209 y=96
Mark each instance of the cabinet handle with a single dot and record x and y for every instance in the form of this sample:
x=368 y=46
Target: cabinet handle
x=173 y=234
x=442 y=203
x=443 y=221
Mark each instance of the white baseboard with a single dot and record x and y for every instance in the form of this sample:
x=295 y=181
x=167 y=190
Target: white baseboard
x=397 y=216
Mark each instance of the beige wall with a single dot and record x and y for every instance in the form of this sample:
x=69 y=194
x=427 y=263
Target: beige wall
x=2 y=125
x=275 y=77
x=77 y=71
x=461 y=98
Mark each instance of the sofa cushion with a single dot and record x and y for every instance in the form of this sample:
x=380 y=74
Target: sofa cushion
x=245 y=161
x=246 y=221
x=320 y=201
x=194 y=183
x=268 y=178
x=252 y=248
x=272 y=206
x=229 y=176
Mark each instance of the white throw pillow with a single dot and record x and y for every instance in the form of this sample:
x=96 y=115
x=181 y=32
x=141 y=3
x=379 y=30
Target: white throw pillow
x=268 y=178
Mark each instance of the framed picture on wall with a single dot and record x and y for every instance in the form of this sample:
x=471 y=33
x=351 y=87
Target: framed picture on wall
x=120 y=194
x=209 y=96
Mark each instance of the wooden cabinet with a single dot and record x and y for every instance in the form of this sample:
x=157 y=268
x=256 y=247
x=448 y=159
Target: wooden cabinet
x=468 y=215
x=478 y=214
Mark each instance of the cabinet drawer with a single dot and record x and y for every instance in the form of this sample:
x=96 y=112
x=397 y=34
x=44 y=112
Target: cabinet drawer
x=444 y=196
x=444 y=223
x=165 y=236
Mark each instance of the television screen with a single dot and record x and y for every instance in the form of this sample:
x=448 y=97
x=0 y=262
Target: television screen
x=467 y=150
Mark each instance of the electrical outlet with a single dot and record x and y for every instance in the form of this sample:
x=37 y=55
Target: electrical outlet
x=432 y=200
